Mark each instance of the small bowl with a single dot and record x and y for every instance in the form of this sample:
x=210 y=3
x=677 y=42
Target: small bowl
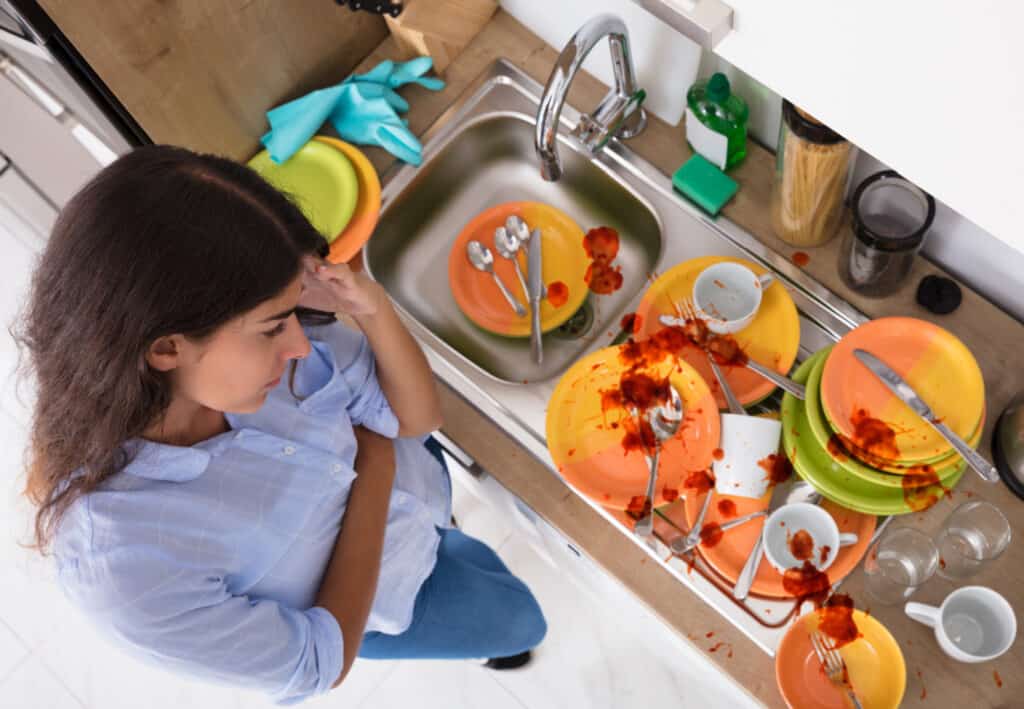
x=727 y=296
x=788 y=521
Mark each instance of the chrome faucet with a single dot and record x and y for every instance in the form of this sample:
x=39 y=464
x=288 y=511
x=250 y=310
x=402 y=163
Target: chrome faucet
x=618 y=115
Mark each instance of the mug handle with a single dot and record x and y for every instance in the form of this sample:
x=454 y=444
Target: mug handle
x=929 y=615
x=766 y=279
x=848 y=538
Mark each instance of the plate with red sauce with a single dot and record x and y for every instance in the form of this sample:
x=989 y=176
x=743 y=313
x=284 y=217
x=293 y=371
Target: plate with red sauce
x=772 y=339
x=932 y=360
x=915 y=493
x=565 y=266
x=727 y=552
x=596 y=443
x=874 y=662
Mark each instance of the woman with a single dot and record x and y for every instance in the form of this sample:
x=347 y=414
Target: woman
x=234 y=485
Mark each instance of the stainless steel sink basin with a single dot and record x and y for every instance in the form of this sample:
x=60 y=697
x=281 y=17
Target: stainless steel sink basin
x=480 y=153
x=492 y=160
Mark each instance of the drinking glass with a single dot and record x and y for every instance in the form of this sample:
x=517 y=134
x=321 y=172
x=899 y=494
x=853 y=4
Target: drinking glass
x=897 y=563
x=974 y=534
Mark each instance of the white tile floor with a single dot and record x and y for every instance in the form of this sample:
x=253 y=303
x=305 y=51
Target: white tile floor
x=603 y=649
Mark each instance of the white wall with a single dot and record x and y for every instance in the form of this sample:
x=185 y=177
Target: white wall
x=668 y=63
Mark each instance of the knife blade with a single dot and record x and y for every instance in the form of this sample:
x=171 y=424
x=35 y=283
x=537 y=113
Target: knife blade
x=905 y=393
x=782 y=494
x=535 y=282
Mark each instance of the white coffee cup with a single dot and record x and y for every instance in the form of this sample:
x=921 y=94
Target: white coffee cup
x=785 y=522
x=973 y=624
x=745 y=442
x=727 y=296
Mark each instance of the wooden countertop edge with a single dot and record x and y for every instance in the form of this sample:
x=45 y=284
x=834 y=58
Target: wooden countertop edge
x=989 y=331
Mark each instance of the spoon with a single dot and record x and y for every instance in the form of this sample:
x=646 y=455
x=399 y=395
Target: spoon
x=681 y=545
x=508 y=244
x=483 y=260
x=516 y=227
x=665 y=422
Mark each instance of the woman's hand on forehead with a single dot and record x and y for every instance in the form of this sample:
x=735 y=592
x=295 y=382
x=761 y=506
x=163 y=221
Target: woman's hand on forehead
x=336 y=288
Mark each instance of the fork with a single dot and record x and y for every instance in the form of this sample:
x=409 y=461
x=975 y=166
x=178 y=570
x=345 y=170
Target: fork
x=833 y=664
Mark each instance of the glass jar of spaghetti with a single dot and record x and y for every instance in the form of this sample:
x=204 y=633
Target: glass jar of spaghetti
x=811 y=166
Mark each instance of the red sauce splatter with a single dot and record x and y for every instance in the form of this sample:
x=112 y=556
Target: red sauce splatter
x=778 y=468
x=835 y=447
x=874 y=435
x=718 y=283
x=836 y=620
x=572 y=451
x=717 y=646
x=710 y=534
x=727 y=508
x=806 y=582
x=700 y=481
x=631 y=322
x=922 y=488
x=695 y=333
x=638 y=506
x=801 y=258
x=718 y=454
x=669 y=494
x=801 y=544
x=642 y=390
x=942 y=563
x=602 y=245
x=558 y=294
x=825 y=551
x=709 y=634
x=924 y=690
x=997 y=678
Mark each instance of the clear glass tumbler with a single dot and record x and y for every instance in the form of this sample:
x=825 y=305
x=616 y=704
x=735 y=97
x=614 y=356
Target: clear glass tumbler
x=897 y=563
x=974 y=534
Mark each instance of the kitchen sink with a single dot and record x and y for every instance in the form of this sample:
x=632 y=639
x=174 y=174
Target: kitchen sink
x=491 y=161
x=480 y=153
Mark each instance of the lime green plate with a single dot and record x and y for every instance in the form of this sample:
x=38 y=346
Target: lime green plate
x=321 y=181
x=813 y=463
x=887 y=476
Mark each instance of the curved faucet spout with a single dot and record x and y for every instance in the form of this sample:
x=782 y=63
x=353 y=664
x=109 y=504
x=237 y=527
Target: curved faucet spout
x=618 y=115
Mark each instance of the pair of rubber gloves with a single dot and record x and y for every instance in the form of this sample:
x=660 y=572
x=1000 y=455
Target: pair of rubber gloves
x=363 y=109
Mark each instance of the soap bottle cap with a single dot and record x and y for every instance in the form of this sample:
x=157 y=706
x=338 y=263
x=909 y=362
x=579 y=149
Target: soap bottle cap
x=718 y=87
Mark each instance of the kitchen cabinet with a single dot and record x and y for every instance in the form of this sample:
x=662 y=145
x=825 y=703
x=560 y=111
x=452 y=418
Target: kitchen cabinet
x=203 y=74
x=931 y=88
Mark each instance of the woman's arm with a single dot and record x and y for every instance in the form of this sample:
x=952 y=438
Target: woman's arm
x=402 y=368
x=350 y=582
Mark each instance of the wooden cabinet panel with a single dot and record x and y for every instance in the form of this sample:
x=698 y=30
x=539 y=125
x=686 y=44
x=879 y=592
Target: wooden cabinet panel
x=203 y=74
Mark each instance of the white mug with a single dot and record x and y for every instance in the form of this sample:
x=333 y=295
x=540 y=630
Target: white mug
x=727 y=296
x=973 y=624
x=745 y=442
x=787 y=521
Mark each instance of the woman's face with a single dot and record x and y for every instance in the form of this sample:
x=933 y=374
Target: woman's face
x=234 y=369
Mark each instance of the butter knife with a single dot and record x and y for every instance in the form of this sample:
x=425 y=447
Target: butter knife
x=782 y=494
x=535 y=283
x=898 y=386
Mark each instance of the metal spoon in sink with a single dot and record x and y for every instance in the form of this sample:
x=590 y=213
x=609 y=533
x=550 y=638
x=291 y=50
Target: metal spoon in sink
x=515 y=226
x=483 y=260
x=681 y=545
x=508 y=245
x=665 y=421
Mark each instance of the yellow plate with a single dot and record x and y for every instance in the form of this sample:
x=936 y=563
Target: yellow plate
x=772 y=339
x=874 y=663
x=357 y=232
x=564 y=267
x=588 y=432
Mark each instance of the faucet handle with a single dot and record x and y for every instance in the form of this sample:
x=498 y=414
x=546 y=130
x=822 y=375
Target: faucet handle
x=616 y=116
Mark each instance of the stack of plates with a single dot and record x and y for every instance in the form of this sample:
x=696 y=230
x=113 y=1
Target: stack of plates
x=862 y=447
x=335 y=186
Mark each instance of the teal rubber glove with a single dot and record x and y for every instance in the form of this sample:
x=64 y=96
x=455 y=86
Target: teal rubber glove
x=363 y=109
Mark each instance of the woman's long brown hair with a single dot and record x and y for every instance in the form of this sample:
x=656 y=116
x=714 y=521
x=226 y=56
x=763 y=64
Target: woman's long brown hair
x=162 y=241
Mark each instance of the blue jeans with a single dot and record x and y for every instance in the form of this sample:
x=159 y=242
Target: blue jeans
x=471 y=606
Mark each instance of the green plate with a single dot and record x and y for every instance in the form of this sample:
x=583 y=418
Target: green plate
x=885 y=476
x=320 y=180
x=813 y=463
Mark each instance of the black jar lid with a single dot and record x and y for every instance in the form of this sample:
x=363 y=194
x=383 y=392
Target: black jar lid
x=889 y=235
x=808 y=128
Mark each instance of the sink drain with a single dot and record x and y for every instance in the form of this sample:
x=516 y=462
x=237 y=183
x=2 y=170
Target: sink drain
x=578 y=325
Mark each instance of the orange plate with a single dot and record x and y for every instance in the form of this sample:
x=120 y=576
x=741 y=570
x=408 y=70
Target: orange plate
x=772 y=339
x=932 y=360
x=563 y=259
x=874 y=664
x=364 y=219
x=586 y=442
x=729 y=555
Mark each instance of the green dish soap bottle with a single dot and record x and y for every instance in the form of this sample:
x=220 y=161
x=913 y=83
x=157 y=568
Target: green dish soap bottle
x=716 y=122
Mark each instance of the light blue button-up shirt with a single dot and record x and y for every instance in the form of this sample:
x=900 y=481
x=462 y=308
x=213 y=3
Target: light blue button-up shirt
x=207 y=559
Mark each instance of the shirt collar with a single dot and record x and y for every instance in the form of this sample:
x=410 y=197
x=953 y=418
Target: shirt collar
x=159 y=461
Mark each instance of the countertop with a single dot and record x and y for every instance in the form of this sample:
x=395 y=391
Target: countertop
x=993 y=336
